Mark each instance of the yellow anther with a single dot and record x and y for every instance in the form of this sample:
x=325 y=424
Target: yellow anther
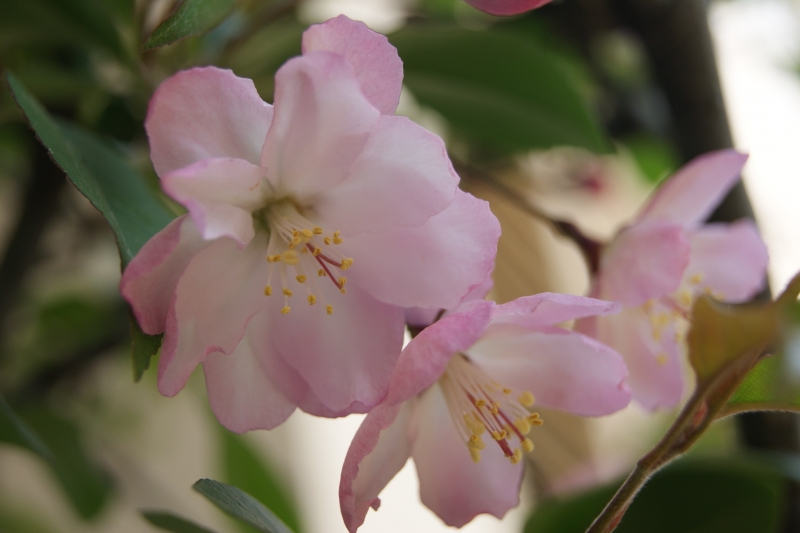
x=295 y=241
x=267 y=291
x=498 y=435
x=685 y=298
x=274 y=258
x=480 y=402
x=476 y=442
x=696 y=278
x=290 y=257
x=495 y=408
x=523 y=425
x=312 y=299
x=329 y=309
x=661 y=359
x=295 y=233
x=301 y=278
x=342 y=281
x=320 y=272
x=285 y=310
x=506 y=390
x=516 y=457
x=343 y=290
x=474 y=425
x=317 y=230
x=346 y=263
x=337 y=234
x=303 y=250
x=327 y=240
x=475 y=454
x=287 y=291
x=527 y=445
x=537 y=422
x=526 y=399
x=317 y=251
x=307 y=233
x=338 y=240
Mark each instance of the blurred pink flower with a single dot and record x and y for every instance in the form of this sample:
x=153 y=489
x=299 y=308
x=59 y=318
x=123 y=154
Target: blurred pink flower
x=471 y=376
x=660 y=263
x=506 y=7
x=290 y=208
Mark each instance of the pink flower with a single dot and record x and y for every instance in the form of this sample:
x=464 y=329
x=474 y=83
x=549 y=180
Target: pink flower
x=506 y=7
x=660 y=263
x=458 y=404
x=312 y=225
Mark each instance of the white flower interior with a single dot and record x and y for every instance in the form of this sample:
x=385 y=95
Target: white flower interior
x=300 y=248
x=480 y=405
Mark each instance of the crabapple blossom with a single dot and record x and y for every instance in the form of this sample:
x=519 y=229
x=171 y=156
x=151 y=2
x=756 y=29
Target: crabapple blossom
x=660 y=263
x=459 y=401
x=311 y=225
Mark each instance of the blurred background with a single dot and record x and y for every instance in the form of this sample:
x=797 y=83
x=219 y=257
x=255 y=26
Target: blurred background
x=575 y=111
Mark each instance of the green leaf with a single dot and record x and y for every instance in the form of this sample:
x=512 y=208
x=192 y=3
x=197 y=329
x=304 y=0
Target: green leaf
x=14 y=429
x=170 y=522
x=86 y=484
x=193 y=17
x=497 y=89
x=100 y=172
x=240 y=505
x=655 y=158
x=689 y=496
x=245 y=470
x=143 y=348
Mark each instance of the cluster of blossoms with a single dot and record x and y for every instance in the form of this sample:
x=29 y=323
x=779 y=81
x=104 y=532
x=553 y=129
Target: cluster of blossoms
x=318 y=227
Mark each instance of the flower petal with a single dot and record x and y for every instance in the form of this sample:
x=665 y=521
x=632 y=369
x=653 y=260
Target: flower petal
x=150 y=279
x=202 y=113
x=655 y=377
x=220 y=194
x=421 y=316
x=376 y=64
x=240 y=391
x=506 y=7
x=424 y=358
x=402 y=177
x=564 y=370
x=433 y=265
x=322 y=122
x=220 y=290
x=644 y=261
x=345 y=357
x=547 y=309
x=450 y=484
x=730 y=260
x=694 y=191
x=379 y=450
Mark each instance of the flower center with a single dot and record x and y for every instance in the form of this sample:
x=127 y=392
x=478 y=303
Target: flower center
x=298 y=247
x=480 y=405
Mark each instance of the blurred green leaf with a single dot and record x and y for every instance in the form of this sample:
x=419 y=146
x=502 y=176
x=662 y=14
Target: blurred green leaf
x=18 y=521
x=87 y=486
x=83 y=22
x=13 y=429
x=144 y=347
x=99 y=170
x=497 y=88
x=193 y=17
x=245 y=470
x=240 y=505
x=656 y=158
x=686 y=497
x=170 y=522
x=774 y=384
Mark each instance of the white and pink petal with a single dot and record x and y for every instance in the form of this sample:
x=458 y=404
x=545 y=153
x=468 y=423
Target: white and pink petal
x=375 y=62
x=204 y=113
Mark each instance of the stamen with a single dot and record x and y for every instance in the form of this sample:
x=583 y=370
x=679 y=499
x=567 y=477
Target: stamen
x=301 y=278
x=285 y=310
x=477 y=405
x=312 y=299
x=329 y=309
x=267 y=291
